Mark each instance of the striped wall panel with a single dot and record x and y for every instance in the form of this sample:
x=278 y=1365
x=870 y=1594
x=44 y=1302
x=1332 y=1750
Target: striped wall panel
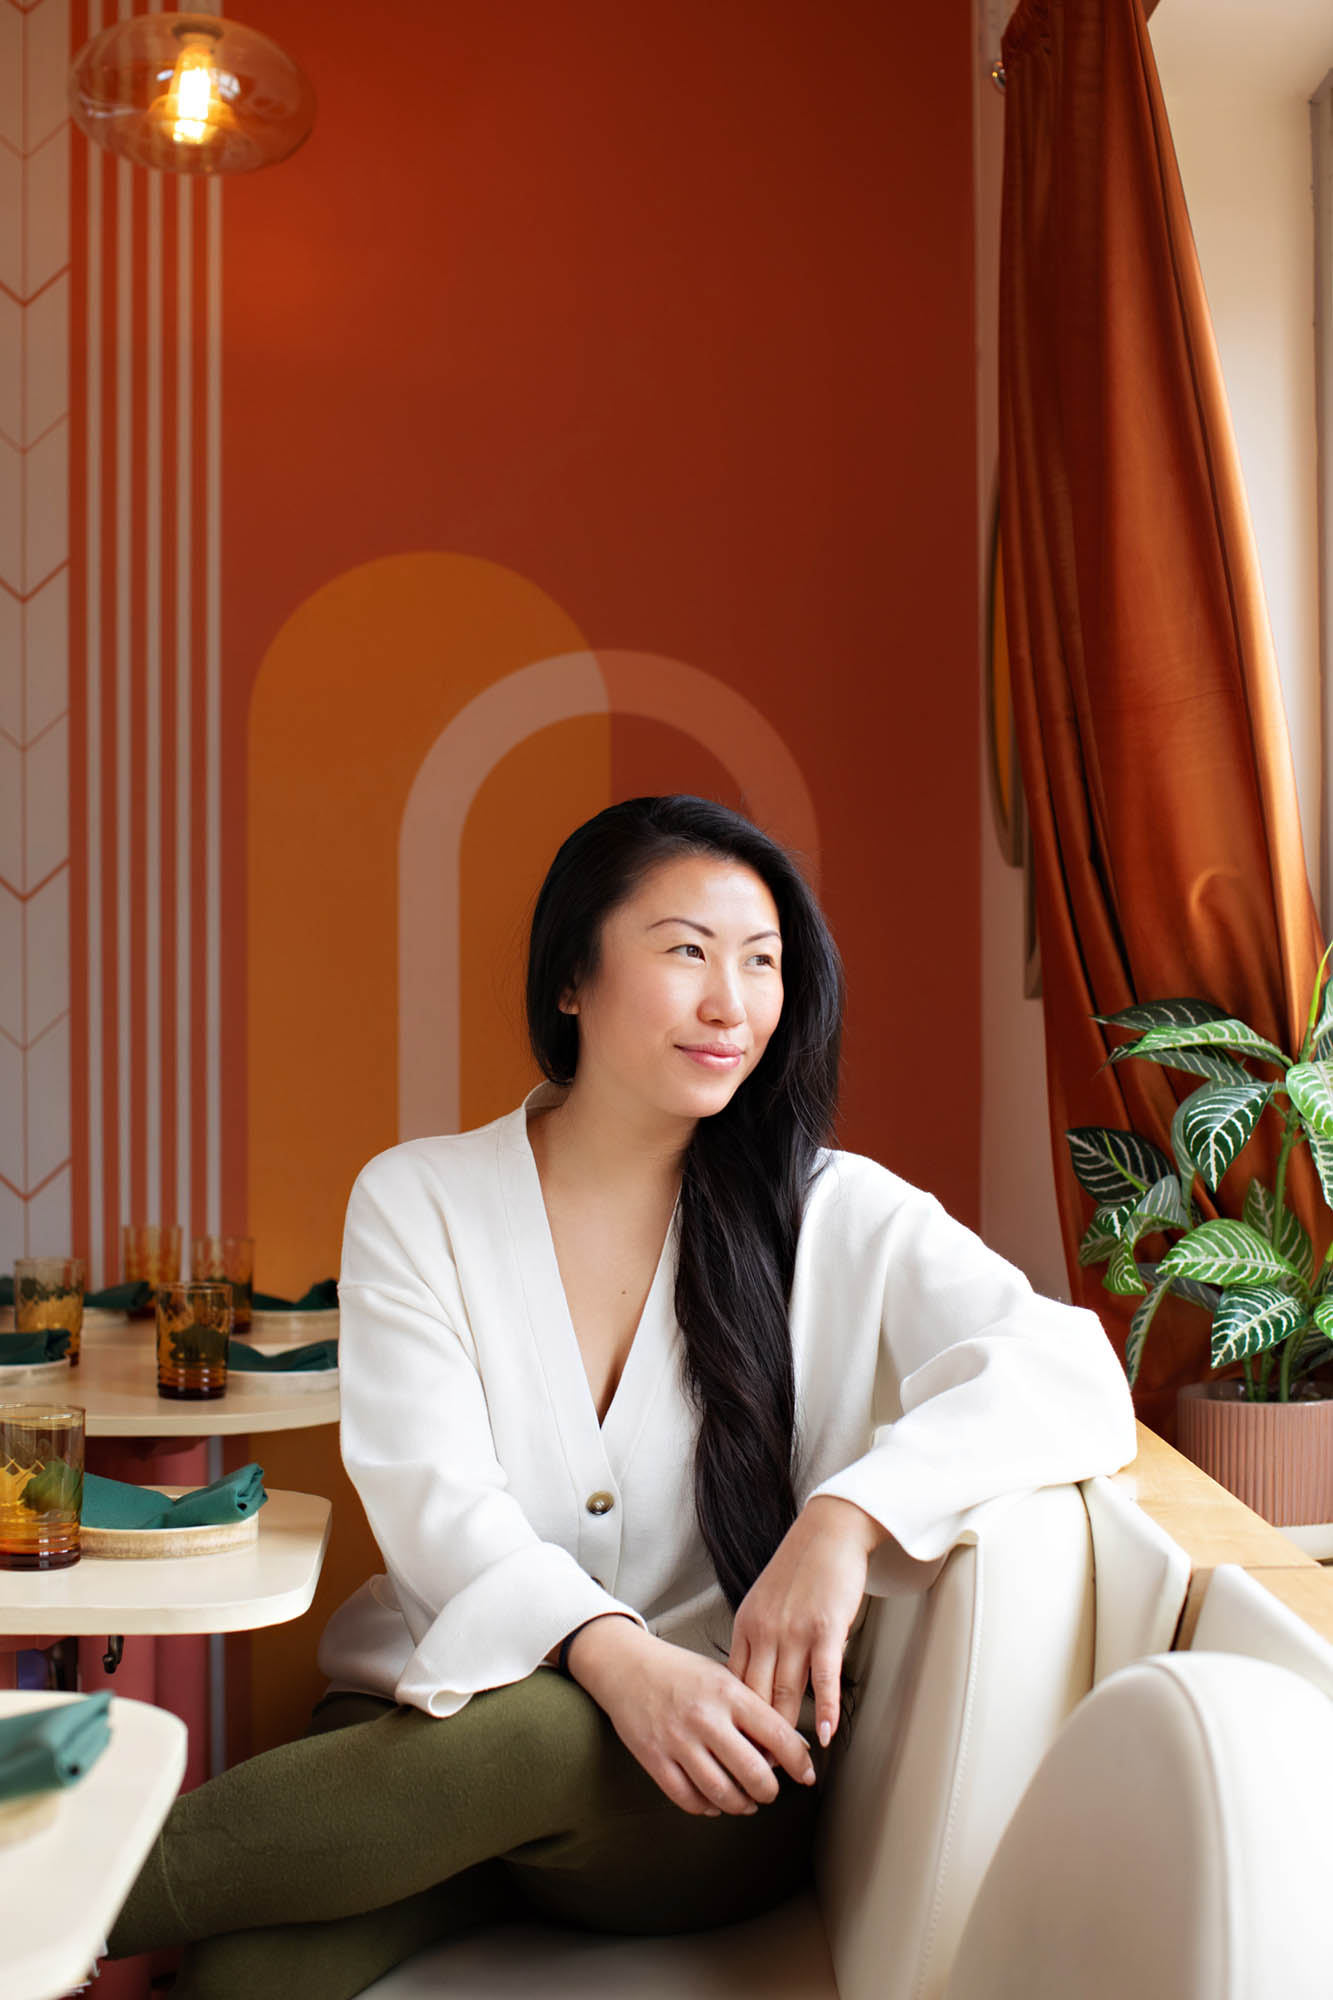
x=111 y=865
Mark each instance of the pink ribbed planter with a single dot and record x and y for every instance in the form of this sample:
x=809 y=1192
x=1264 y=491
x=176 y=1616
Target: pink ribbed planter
x=1276 y=1457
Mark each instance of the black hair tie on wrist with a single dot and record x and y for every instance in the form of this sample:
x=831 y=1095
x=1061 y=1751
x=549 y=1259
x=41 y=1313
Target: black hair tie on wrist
x=562 y=1657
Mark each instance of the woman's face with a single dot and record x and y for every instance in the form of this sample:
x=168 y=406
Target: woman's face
x=687 y=992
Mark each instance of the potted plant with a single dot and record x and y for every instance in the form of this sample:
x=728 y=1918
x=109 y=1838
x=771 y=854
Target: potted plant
x=1265 y=1430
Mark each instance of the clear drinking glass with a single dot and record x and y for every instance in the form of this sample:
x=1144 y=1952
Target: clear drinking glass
x=48 y=1296
x=150 y=1252
x=193 y=1329
x=41 y=1484
x=232 y=1258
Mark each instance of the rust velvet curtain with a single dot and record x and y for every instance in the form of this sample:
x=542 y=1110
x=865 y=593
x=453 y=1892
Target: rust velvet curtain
x=1166 y=844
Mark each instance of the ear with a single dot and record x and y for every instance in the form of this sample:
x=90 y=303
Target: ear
x=567 y=1003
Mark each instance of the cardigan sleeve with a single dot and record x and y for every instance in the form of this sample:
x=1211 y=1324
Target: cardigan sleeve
x=984 y=1389
x=484 y=1597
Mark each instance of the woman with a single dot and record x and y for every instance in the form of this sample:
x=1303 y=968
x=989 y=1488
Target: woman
x=642 y=1383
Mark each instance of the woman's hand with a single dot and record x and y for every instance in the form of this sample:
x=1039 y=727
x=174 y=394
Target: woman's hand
x=792 y=1624
x=699 y=1733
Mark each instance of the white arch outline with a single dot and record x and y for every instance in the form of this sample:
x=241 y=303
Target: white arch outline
x=452 y=772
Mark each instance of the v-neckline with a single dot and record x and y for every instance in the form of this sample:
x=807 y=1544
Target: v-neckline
x=654 y=1334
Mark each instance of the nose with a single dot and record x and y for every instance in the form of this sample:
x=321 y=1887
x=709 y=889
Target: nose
x=723 y=1001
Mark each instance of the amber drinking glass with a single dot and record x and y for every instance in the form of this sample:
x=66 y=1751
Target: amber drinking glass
x=150 y=1252
x=232 y=1258
x=193 y=1329
x=41 y=1484
x=48 y=1297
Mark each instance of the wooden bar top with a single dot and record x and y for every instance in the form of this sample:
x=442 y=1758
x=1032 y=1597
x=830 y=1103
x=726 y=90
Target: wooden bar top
x=1213 y=1526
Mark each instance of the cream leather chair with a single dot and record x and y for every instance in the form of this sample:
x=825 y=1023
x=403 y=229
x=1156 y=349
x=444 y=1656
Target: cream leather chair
x=1172 y=1846
x=961 y=1691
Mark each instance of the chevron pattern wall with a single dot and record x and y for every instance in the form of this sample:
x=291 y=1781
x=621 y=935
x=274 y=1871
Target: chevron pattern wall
x=35 y=1085
x=111 y=775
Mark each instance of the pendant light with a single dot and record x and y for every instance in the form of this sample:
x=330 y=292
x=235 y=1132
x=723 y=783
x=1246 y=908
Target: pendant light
x=190 y=94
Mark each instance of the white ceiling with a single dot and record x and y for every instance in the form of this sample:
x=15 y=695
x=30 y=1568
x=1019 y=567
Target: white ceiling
x=1285 y=46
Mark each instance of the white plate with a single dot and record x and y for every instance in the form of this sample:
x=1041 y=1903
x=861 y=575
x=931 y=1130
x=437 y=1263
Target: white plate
x=153 y=1544
x=27 y=1375
x=324 y=1321
x=283 y=1381
x=20 y=1819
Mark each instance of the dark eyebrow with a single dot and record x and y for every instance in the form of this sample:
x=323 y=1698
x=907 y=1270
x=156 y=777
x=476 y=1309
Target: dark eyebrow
x=705 y=932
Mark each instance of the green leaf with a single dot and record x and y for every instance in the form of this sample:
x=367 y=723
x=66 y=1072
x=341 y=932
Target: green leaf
x=1192 y=1289
x=1224 y=1034
x=1310 y=1087
x=1224 y=1252
x=1293 y=1240
x=1251 y=1318
x=1144 y=1315
x=1212 y=1124
x=1115 y=1165
x=1103 y=1232
x=1164 y=1014
x=1323 y=1315
x=1321 y=1152
x=1160 y=1208
x=1122 y=1273
x=1198 y=1062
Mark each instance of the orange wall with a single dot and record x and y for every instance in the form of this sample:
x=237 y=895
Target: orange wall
x=668 y=311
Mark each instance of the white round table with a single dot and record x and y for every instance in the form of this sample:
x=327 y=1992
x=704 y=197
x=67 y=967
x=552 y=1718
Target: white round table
x=64 y=1885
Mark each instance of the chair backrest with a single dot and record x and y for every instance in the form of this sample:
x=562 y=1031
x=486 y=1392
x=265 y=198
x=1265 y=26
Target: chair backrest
x=1143 y=1577
x=1239 y=1616
x=1172 y=1846
x=960 y=1693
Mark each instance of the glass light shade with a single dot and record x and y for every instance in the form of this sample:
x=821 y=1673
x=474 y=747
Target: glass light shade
x=190 y=94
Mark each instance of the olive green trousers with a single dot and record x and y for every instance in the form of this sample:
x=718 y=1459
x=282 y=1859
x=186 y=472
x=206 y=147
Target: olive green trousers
x=308 y=1871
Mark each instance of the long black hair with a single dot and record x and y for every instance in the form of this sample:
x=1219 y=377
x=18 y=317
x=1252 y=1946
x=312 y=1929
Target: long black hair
x=747 y=1168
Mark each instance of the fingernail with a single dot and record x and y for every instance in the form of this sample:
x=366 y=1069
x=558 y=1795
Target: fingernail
x=751 y=1809
x=825 y=1731
x=809 y=1777
x=713 y=1812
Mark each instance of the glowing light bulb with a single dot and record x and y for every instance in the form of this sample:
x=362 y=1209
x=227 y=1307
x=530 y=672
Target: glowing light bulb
x=190 y=108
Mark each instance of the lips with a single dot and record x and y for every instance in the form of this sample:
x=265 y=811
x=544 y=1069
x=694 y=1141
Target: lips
x=713 y=1055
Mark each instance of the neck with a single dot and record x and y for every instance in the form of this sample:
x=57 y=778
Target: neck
x=601 y=1142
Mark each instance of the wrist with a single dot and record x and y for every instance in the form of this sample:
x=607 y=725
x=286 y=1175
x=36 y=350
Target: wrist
x=596 y=1646
x=830 y=1514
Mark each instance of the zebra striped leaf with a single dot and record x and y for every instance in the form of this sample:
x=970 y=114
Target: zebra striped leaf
x=1122 y=1273
x=1105 y=1158
x=1160 y=1208
x=1310 y=1086
x=1192 y=1289
x=1225 y=1034
x=1103 y=1232
x=1323 y=1315
x=1251 y=1318
x=1292 y=1240
x=1321 y=1152
x=1226 y=1253
x=1198 y=1062
x=1164 y=1014
x=1212 y=1124
x=1144 y=1314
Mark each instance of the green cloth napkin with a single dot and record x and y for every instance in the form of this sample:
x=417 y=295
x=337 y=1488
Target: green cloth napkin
x=112 y=1503
x=52 y=1746
x=320 y=1298
x=115 y=1298
x=121 y=1298
x=18 y=1350
x=291 y=1361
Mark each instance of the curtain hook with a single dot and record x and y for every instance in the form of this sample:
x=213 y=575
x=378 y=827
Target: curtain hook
x=997 y=75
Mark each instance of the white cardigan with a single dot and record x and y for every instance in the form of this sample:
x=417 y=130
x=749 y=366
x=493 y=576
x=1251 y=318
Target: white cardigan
x=933 y=1384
